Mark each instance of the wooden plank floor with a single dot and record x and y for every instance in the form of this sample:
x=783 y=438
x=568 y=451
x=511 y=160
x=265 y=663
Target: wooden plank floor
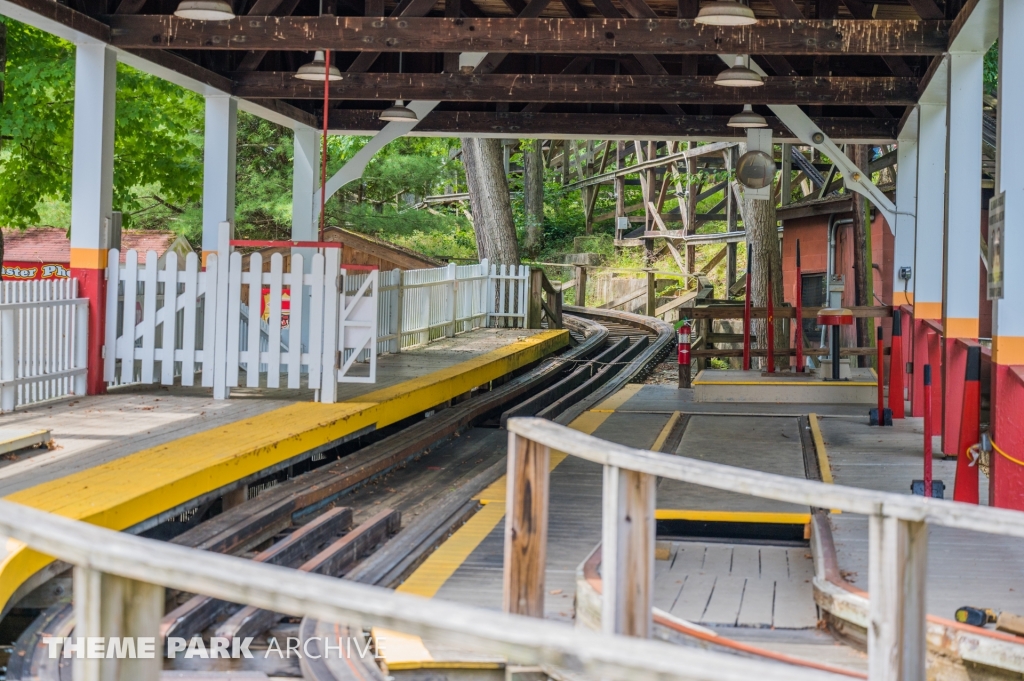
x=964 y=568
x=737 y=585
x=765 y=443
x=666 y=399
x=94 y=430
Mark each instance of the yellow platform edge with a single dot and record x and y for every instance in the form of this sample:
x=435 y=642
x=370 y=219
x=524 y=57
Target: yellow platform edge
x=132 y=489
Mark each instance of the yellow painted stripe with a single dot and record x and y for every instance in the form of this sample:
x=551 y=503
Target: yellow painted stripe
x=819 y=446
x=131 y=489
x=663 y=435
x=429 y=577
x=733 y=516
x=805 y=384
x=442 y=664
x=621 y=397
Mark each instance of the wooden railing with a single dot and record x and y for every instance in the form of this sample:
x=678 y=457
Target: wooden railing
x=898 y=535
x=119 y=582
x=545 y=302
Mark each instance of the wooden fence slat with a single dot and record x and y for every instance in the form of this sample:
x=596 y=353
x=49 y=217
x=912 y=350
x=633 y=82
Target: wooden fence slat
x=126 y=342
x=148 y=351
x=274 y=332
x=295 y=319
x=110 y=323
x=170 y=317
x=627 y=552
x=526 y=526
x=190 y=306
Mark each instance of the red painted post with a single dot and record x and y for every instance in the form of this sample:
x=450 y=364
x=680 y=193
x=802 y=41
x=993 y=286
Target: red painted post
x=896 y=368
x=927 y=390
x=880 y=341
x=966 y=487
x=771 y=329
x=684 y=354
x=746 y=325
x=799 y=313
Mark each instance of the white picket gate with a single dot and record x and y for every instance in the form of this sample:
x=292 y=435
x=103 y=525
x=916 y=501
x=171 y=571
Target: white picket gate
x=44 y=341
x=169 y=324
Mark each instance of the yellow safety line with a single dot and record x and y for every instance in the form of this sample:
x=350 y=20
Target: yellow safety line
x=620 y=397
x=129 y=490
x=663 y=435
x=819 y=446
x=733 y=516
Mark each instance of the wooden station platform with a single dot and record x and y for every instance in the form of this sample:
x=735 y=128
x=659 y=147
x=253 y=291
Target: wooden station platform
x=736 y=385
x=141 y=453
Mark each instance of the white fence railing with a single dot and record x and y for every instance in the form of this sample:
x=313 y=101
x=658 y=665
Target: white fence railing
x=170 y=324
x=44 y=337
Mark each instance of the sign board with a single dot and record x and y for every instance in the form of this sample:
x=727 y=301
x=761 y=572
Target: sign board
x=996 y=218
x=14 y=270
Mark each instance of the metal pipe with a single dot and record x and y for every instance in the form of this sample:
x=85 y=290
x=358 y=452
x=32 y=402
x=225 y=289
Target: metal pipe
x=830 y=262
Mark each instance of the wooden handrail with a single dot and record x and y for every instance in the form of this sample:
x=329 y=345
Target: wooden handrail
x=897 y=538
x=103 y=557
x=769 y=485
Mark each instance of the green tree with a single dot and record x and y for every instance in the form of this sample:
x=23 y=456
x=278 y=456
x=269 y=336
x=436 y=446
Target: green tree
x=158 y=139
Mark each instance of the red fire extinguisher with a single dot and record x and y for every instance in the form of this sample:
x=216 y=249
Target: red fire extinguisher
x=684 y=354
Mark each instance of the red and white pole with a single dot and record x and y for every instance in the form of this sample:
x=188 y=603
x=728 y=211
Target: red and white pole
x=684 y=354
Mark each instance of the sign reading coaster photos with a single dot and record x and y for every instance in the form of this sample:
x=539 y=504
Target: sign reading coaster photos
x=996 y=217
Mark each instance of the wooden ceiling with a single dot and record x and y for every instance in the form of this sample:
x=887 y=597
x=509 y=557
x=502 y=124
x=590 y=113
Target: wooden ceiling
x=643 y=64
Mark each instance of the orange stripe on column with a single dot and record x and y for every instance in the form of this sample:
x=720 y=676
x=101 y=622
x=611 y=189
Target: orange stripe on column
x=960 y=327
x=901 y=298
x=89 y=258
x=206 y=254
x=1008 y=350
x=927 y=310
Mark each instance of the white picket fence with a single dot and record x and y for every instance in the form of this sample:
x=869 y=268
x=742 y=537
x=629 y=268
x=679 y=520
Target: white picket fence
x=44 y=341
x=421 y=306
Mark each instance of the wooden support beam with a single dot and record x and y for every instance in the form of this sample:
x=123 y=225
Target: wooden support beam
x=581 y=286
x=526 y=526
x=529 y=34
x=528 y=125
x=583 y=88
x=627 y=552
x=652 y=295
x=110 y=606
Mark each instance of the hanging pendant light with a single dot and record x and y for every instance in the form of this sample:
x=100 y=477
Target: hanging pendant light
x=748 y=118
x=399 y=112
x=314 y=70
x=725 y=13
x=205 y=10
x=738 y=75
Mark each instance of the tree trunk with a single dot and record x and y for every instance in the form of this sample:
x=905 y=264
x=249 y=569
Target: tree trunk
x=489 y=201
x=861 y=258
x=533 y=191
x=766 y=258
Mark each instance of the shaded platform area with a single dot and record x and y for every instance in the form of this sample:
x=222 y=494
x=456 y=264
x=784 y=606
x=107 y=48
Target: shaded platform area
x=964 y=567
x=736 y=385
x=137 y=454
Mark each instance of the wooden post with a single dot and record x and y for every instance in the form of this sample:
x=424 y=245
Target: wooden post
x=581 y=286
x=652 y=295
x=109 y=606
x=396 y=325
x=730 y=268
x=897 y=566
x=535 y=310
x=627 y=552
x=453 y=274
x=526 y=526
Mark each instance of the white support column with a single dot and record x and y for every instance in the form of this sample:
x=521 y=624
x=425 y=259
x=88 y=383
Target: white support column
x=92 y=189
x=218 y=167
x=305 y=183
x=962 y=256
x=931 y=184
x=906 y=211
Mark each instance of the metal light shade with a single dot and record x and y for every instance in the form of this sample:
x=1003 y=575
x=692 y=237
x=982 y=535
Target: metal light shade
x=314 y=70
x=205 y=10
x=399 y=112
x=739 y=75
x=726 y=13
x=747 y=118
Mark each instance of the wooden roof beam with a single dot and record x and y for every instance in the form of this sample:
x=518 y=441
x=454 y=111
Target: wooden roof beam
x=583 y=88
x=531 y=35
x=606 y=126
